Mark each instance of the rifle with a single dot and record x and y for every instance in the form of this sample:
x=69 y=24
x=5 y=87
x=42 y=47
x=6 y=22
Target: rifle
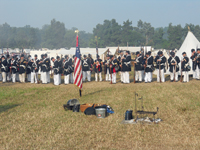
x=145 y=65
x=110 y=72
x=105 y=67
x=160 y=72
x=181 y=72
x=174 y=72
x=134 y=73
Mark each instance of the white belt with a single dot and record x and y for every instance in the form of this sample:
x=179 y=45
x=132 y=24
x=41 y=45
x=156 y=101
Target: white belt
x=22 y=66
x=149 y=66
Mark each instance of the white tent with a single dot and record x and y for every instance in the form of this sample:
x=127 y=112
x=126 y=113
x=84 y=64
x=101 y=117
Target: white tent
x=189 y=43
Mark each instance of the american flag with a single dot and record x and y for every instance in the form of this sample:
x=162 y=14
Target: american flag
x=78 y=67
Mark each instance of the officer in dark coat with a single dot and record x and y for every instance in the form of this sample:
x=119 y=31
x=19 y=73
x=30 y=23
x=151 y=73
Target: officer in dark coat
x=138 y=67
x=8 y=59
x=194 y=63
x=56 y=70
x=48 y=64
x=126 y=61
x=98 y=68
x=22 y=68
x=160 y=66
x=148 y=67
x=14 y=68
x=86 y=68
x=3 y=68
x=113 y=65
x=67 y=66
x=185 y=67
x=173 y=62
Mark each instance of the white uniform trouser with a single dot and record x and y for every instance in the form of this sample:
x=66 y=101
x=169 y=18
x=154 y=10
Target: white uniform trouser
x=172 y=76
x=66 y=79
x=48 y=76
x=96 y=76
x=197 y=73
x=72 y=77
x=8 y=76
x=13 y=77
x=108 y=75
x=34 y=76
x=59 y=77
x=0 y=77
x=113 y=77
x=22 y=77
x=122 y=76
x=86 y=74
x=56 y=79
x=162 y=75
x=126 y=77
x=17 y=76
x=44 y=77
x=148 y=76
x=138 y=75
x=186 y=76
x=29 y=77
x=3 y=76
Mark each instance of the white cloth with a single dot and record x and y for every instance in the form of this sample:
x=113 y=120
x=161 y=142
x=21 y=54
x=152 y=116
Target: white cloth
x=126 y=77
x=122 y=76
x=186 y=76
x=13 y=77
x=22 y=78
x=162 y=75
x=44 y=77
x=72 y=77
x=66 y=79
x=34 y=76
x=197 y=73
x=59 y=77
x=86 y=74
x=56 y=79
x=172 y=76
x=194 y=74
x=108 y=78
x=114 y=78
x=3 y=76
x=138 y=76
x=148 y=76
x=96 y=77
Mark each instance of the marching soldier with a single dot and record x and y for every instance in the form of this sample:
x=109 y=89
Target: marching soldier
x=28 y=69
x=14 y=68
x=126 y=67
x=148 y=67
x=173 y=62
x=34 y=70
x=113 y=64
x=56 y=70
x=98 y=68
x=138 y=67
x=198 y=64
x=67 y=69
x=107 y=69
x=86 y=68
x=194 y=63
x=160 y=66
x=3 y=68
x=8 y=68
x=22 y=68
x=184 y=67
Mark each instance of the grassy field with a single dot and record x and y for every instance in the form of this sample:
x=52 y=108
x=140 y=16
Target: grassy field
x=32 y=116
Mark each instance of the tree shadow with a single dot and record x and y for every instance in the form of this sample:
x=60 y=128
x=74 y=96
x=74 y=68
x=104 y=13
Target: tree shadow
x=6 y=107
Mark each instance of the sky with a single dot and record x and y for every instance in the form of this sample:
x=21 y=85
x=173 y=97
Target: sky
x=86 y=14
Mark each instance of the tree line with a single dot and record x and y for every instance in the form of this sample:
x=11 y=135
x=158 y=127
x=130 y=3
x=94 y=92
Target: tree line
x=109 y=33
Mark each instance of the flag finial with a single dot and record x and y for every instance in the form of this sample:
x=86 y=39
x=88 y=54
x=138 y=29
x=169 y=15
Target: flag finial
x=188 y=28
x=76 y=31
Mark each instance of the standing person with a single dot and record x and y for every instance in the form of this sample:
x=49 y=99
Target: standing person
x=98 y=68
x=28 y=69
x=123 y=68
x=48 y=64
x=3 y=68
x=121 y=53
x=60 y=64
x=8 y=68
x=173 y=62
x=86 y=68
x=184 y=67
x=138 y=67
x=40 y=67
x=194 y=63
x=56 y=71
x=113 y=64
x=160 y=62
x=149 y=67
x=34 y=70
x=107 y=69
x=17 y=73
x=91 y=63
x=198 y=64
x=44 y=68
x=14 y=68
x=22 y=68
x=72 y=72
x=67 y=69
x=127 y=66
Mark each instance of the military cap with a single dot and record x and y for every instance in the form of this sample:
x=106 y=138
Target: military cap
x=66 y=56
x=192 y=50
x=128 y=52
x=57 y=57
x=35 y=55
x=198 y=49
x=172 y=53
x=183 y=53
x=45 y=54
x=137 y=52
x=29 y=56
x=2 y=56
x=22 y=55
x=7 y=55
x=84 y=56
x=52 y=58
x=89 y=55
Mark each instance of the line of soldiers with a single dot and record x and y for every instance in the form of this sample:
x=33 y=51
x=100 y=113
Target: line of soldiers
x=18 y=69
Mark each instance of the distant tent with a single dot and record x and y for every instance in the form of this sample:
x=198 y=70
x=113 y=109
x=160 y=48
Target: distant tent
x=189 y=43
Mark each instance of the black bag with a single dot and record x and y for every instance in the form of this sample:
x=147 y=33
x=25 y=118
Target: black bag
x=90 y=110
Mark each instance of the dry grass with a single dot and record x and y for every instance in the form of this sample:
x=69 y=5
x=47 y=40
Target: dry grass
x=32 y=116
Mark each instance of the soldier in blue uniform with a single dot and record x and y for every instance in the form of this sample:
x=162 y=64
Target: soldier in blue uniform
x=3 y=68
x=86 y=68
x=91 y=60
x=113 y=64
x=194 y=63
x=173 y=62
x=160 y=63
x=14 y=68
x=98 y=68
x=148 y=67
x=184 y=67
x=198 y=64
x=28 y=69
x=138 y=67
x=56 y=70
x=126 y=61
x=107 y=68
x=67 y=66
x=34 y=69
x=22 y=68
x=121 y=53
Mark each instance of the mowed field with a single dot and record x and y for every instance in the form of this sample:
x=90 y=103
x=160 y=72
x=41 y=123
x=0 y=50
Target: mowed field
x=32 y=116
